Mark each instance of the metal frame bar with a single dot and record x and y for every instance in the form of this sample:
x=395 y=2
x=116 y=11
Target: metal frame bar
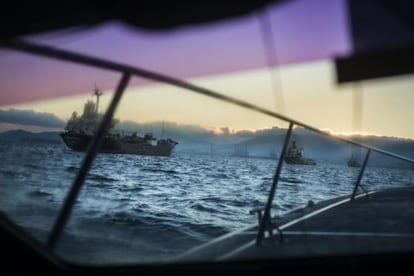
x=361 y=173
x=87 y=162
x=51 y=52
x=128 y=71
x=266 y=216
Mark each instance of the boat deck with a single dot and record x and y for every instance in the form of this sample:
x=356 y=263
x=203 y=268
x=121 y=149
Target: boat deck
x=377 y=222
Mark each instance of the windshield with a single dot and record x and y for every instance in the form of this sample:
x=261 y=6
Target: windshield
x=124 y=147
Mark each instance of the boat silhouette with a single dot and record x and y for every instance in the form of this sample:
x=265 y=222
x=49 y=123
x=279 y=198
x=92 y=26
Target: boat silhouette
x=295 y=155
x=79 y=132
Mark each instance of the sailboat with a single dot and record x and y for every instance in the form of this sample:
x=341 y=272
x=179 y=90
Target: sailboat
x=335 y=234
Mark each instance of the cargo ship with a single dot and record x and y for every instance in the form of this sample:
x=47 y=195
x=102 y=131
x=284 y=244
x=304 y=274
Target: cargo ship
x=79 y=131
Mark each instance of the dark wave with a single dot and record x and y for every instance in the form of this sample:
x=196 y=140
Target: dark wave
x=287 y=206
x=201 y=207
x=159 y=171
x=212 y=199
x=238 y=202
x=9 y=173
x=99 y=177
x=168 y=203
x=16 y=174
x=293 y=180
x=202 y=232
x=33 y=166
x=219 y=175
x=99 y=185
x=122 y=217
x=39 y=193
x=72 y=169
x=129 y=188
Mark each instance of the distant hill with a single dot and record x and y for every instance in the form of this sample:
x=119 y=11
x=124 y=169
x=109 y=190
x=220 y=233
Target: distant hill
x=16 y=136
x=265 y=143
x=321 y=147
x=30 y=117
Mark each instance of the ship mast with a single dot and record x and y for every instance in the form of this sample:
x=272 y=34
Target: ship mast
x=97 y=93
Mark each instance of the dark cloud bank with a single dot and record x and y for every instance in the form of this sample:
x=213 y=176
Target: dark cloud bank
x=30 y=117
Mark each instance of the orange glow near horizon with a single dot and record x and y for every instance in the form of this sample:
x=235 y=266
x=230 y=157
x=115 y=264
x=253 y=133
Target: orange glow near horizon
x=309 y=93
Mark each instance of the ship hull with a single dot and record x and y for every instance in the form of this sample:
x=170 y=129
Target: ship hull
x=300 y=161
x=111 y=144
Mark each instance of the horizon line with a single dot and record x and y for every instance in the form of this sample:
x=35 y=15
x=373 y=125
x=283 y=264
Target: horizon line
x=6 y=127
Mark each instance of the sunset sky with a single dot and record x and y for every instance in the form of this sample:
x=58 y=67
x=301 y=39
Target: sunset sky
x=228 y=57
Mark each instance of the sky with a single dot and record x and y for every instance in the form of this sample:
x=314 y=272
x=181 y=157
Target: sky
x=229 y=57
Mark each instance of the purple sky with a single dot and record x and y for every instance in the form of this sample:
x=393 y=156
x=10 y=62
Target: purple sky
x=304 y=30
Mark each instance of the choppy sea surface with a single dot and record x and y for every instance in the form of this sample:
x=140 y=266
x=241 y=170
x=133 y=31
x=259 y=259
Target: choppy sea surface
x=140 y=209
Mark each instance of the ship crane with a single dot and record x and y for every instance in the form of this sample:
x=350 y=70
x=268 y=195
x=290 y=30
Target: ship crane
x=97 y=93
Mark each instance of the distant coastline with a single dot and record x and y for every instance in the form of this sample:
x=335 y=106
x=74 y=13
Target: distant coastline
x=260 y=144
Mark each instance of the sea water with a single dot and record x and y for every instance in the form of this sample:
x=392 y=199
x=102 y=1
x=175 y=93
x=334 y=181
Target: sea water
x=140 y=209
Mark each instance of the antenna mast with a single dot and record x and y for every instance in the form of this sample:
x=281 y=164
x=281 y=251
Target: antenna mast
x=97 y=93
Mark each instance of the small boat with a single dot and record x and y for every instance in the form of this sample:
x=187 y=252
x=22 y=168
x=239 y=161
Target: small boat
x=80 y=130
x=294 y=155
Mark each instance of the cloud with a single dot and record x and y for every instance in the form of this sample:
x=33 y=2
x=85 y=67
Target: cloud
x=225 y=130
x=30 y=117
